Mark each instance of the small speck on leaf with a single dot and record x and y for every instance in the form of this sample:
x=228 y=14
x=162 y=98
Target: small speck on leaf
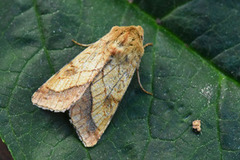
x=196 y=125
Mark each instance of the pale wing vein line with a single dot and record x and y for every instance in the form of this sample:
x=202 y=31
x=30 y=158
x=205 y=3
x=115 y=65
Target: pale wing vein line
x=84 y=64
x=110 y=91
x=110 y=70
x=107 y=95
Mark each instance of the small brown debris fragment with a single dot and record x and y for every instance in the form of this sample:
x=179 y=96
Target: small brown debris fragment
x=196 y=125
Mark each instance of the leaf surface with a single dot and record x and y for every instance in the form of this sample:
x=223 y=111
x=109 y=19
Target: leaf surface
x=36 y=42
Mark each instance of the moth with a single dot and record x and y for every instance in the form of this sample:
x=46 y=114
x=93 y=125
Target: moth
x=94 y=82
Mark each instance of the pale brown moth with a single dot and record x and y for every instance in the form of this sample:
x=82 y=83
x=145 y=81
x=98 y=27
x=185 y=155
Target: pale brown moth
x=94 y=82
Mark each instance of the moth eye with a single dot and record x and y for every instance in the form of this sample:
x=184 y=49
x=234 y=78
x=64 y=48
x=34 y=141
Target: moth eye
x=141 y=37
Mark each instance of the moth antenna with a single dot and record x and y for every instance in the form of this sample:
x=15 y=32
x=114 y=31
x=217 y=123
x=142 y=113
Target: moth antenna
x=148 y=44
x=139 y=82
x=80 y=44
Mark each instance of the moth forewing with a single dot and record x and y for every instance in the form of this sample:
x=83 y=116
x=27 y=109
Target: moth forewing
x=93 y=83
x=67 y=86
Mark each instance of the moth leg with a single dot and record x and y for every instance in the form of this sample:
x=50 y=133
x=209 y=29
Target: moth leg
x=148 y=44
x=139 y=82
x=80 y=44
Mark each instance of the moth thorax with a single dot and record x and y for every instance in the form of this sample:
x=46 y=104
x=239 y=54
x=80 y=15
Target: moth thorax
x=116 y=50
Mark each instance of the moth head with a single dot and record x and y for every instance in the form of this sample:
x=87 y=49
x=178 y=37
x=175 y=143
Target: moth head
x=125 y=40
x=127 y=34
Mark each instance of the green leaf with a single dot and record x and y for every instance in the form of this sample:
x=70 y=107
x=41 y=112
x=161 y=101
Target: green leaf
x=209 y=27
x=36 y=42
